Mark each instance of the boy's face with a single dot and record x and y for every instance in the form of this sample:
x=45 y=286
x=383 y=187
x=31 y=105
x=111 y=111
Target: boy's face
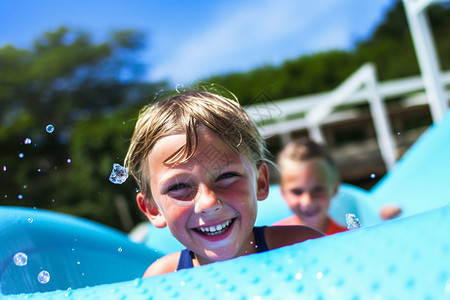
x=208 y=202
x=307 y=188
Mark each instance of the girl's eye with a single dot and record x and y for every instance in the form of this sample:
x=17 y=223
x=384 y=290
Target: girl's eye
x=297 y=192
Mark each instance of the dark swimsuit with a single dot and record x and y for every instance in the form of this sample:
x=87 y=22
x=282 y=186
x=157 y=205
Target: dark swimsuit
x=187 y=255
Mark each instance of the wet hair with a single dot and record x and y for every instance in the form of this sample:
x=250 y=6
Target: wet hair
x=302 y=150
x=186 y=112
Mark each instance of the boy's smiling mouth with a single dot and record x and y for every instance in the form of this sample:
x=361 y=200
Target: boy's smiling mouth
x=215 y=230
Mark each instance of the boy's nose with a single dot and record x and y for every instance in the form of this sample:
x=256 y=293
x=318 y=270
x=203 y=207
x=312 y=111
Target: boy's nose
x=207 y=202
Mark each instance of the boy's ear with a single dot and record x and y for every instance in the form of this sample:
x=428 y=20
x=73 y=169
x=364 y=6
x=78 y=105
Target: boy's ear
x=151 y=210
x=262 y=182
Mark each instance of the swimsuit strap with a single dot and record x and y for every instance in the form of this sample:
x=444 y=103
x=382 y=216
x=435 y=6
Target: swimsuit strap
x=186 y=255
x=185 y=261
x=260 y=240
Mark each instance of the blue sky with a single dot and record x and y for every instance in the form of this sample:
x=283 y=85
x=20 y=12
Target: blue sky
x=190 y=40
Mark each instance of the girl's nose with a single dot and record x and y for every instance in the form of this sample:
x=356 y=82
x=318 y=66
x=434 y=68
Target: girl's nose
x=306 y=198
x=207 y=202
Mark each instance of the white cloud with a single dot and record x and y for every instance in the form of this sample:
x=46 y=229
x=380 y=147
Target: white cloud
x=268 y=32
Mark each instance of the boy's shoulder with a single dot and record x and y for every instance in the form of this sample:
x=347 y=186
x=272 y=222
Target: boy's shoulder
x=280 y=236
x=163 y=265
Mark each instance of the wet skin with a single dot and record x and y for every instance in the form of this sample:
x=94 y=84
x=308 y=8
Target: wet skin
x=209 y=203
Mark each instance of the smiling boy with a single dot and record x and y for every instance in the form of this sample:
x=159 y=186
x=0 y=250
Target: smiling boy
x=200 y=165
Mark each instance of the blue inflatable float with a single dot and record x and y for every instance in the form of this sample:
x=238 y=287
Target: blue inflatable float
x=406 y=258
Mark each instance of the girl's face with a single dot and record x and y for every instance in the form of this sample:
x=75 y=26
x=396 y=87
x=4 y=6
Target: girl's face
x=208 y=202
x=307 y=188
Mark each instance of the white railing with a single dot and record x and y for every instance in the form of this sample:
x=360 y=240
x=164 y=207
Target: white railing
x=362 y=86
x=318 y=109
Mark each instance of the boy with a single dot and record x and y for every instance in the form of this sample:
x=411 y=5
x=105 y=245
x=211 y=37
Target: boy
x=200 y=165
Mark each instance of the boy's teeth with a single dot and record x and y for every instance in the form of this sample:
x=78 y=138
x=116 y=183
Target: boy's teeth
x=215 y=229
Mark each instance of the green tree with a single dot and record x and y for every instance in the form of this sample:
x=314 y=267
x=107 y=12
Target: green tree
x=81 y=88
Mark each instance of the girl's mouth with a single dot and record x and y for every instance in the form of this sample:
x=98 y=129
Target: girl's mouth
x=215 y=230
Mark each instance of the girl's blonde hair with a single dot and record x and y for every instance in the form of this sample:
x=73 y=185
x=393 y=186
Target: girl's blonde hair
x=184 y=113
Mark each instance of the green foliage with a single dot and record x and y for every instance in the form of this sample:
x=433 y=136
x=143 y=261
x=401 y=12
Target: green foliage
x=87 y=91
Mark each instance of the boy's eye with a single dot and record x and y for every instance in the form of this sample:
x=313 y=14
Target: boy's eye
x=227 y=175
x=226 y=179
x=181 y=191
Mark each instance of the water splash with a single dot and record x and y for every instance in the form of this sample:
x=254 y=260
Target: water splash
x=43 y=277
x=20 y=259
x=50 y=128
x=352 y=221
x=179 y=88
x=119 y=174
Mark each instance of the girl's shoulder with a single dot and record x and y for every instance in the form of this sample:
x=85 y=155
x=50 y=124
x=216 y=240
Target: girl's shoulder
x=280 y=236
x=163 y=265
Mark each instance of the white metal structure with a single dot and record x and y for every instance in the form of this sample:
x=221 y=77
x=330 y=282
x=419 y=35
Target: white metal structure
x=362 y=86
x=426 y=55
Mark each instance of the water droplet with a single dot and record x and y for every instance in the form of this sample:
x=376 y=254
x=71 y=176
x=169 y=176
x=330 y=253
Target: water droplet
x=20 y=259
x=319 y=275
x=27 y=141
x=398 y=133
x=30 y=220
x=43 y=277
x=372 y=175
x=352 y=221
x=179 y=88
x=4 y=168
x=38 y=170
x=25 y=186
x=50 y=128
x=119 y=174
x=21 y=155
x=120 y=249
x=69 y=160
x=20 y=197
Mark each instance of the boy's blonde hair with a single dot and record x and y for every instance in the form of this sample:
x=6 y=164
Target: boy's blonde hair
x=302 y=150
x=184 y=113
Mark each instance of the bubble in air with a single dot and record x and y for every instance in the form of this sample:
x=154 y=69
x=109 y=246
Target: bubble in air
x=50 y=128
x=20 y=259
x=120 y=249
x=27 y=141
x=352 y=221
x=119 y=174
x=179 y=88
x=43 y=277
x=30 y=220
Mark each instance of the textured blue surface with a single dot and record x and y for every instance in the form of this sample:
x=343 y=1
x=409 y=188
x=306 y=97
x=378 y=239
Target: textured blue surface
x=405 y=258
x=75 y=252
x=408 y=258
